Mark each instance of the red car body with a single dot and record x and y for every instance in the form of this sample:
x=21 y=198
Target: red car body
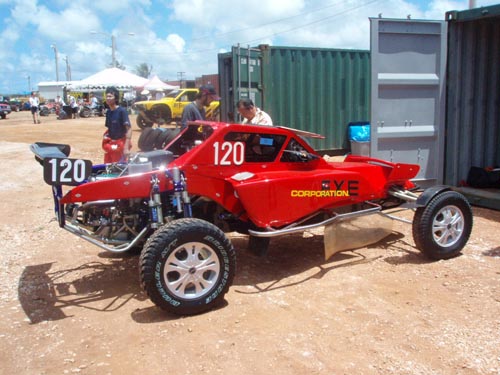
x=274 y=190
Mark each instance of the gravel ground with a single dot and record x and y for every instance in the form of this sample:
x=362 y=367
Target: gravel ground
x=68 y=307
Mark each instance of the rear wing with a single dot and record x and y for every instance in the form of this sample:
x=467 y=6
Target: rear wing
x=44 y=150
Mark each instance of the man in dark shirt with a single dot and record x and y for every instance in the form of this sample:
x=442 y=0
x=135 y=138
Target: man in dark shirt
x=196 y=109
x=116 y=143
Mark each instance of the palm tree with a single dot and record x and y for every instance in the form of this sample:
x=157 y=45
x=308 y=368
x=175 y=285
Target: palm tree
x=143 y=70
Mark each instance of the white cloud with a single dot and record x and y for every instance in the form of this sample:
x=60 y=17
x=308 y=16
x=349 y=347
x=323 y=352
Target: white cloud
x=184 y=35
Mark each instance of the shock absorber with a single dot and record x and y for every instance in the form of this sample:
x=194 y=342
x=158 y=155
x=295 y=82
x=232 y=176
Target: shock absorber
x=181 y=196
x=154 y=204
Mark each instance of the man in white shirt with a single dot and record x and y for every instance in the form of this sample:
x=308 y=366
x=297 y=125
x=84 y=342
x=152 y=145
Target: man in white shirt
x=94 y=103
x=34 y=104
x=252 y=114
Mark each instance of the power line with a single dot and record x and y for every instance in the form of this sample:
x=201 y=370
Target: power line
x=273 y=34
x=312 y=23
x=210 y=36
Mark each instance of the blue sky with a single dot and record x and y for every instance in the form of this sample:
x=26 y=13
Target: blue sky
x=176 y=36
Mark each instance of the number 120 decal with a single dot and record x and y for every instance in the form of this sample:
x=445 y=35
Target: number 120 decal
x=58 y=171
x=229 y=153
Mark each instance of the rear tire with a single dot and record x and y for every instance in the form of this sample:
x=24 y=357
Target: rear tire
x=187 y=266
x=442 y=228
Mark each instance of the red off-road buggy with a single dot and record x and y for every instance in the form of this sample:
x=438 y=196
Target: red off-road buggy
x=177 y=203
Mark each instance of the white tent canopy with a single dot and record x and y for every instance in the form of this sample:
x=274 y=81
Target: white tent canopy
x=156 y=84
x=121 y=79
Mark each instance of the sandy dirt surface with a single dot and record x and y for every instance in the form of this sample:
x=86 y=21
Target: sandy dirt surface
x=69 y=307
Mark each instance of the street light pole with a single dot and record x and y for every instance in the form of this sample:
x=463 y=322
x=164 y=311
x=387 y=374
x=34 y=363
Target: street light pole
x=29 y=83
x=57 y=64
x=113 y=50
x=114 y=63
x=68 y=69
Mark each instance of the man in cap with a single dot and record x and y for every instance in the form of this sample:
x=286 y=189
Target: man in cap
x=196 y=109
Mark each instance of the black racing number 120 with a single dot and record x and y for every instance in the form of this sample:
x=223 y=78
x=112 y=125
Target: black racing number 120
x=58 y=171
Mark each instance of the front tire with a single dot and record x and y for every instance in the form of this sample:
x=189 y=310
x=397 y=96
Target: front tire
x=442 y=228
x=187 y=266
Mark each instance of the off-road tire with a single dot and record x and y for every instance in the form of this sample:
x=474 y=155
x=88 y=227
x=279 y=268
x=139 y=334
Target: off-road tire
x=85 y=112
x=147 y=139
x=442 y=228
x=166 y=137
x=142 y=122
x=187 y=266
x=162 y=114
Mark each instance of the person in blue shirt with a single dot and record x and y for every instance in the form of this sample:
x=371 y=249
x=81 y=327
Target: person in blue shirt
x=117 y=139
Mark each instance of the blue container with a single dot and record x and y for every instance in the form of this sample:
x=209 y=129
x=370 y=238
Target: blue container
x=359 y=131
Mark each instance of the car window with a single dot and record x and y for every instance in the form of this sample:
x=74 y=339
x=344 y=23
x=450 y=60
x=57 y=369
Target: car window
x=259 y=147
x=292 y=152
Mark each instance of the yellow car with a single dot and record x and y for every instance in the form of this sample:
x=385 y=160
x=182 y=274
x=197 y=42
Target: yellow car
x=169 y=108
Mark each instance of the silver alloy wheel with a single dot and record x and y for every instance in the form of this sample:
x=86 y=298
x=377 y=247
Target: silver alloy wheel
x=191 y=270
x=448 y=226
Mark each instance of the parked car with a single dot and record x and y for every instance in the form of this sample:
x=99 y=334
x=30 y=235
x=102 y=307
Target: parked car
x=4 y=110
x=26 y=106
x=169 y=108
x=15 y=105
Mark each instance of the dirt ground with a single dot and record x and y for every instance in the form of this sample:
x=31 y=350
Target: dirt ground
x=69 y=307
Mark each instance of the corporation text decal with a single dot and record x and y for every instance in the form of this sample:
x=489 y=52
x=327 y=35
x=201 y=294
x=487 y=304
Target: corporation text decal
x=340 y=189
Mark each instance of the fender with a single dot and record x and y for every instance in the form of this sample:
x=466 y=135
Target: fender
x=429 y=193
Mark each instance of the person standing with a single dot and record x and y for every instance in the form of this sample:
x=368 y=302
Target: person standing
x=74 y=106
x=196 y=109
x=34 y=105
x=59 y=106
x=252 y=114
x=94 y=103
x=116 y=142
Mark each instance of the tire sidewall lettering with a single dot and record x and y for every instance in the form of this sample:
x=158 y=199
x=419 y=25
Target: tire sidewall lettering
x=158 y=274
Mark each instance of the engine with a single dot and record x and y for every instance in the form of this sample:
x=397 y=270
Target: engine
x=112 y=221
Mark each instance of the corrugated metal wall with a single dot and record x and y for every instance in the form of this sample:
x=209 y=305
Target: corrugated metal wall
x=314 y=89
x=473 y=102
x=318 y=90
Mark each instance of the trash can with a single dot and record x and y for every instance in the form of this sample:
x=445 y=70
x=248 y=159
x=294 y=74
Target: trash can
x=359 y=136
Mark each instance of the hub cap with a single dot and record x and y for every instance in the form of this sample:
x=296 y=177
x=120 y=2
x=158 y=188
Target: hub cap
x=448 y=226
x=191 y=270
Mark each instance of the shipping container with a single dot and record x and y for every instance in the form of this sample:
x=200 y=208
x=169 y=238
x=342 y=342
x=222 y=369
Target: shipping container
x=314 y=89
x=473 y=94
x=408 y=72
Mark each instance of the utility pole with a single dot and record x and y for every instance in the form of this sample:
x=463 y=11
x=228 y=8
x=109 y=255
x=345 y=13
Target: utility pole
x=57 y=63
x=180 y=77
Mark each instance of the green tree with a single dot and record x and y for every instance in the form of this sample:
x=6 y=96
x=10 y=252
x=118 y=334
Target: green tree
x=143 y=70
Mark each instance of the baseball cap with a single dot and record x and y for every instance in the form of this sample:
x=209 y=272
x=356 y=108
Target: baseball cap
x=209 y=89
